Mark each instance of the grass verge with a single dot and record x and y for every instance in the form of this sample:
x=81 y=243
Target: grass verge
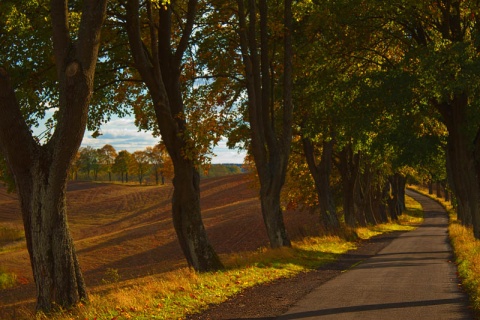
x=175 y=294
x=466 y=250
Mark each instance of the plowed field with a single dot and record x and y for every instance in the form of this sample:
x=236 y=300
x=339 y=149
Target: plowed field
x=129 y=228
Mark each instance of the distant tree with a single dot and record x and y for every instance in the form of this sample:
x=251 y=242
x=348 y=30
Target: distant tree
x=156 y=156
x=107 y=155
x=89 y=161
x=141 y=164
x=27 y=32
x=122 y=164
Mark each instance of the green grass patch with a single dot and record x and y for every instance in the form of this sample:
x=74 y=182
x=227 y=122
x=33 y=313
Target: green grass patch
x=175 y=294
x=7 y=279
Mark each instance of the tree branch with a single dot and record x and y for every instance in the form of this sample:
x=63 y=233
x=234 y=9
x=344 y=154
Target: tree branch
x=16 y=141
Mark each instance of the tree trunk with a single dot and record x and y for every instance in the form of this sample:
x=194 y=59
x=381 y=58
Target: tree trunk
x=397 y=182
x=439 y=190
x=160 y=69
x=56 y=271
x=270 y=143
x=272 y=214
x=187 y=219
x=348 y=166
x=41 y=171
x=321 y=177
x=401 y=184
x=461 y=160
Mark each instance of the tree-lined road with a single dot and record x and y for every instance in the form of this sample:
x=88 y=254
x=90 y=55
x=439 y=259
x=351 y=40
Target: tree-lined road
x=412 y=278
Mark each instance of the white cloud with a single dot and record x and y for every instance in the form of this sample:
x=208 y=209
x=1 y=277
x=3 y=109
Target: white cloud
x=122 y=134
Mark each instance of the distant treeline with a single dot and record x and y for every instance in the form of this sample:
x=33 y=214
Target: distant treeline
x=219 y=170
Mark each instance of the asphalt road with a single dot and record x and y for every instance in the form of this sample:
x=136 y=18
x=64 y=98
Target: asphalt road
x=412 y=278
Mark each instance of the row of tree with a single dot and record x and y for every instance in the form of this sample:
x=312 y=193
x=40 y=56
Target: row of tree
x=141 y=163
x=152 y=165
x=342 y=98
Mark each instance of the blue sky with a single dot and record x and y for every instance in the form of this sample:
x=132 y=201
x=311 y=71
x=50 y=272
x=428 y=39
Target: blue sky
x=122 y=134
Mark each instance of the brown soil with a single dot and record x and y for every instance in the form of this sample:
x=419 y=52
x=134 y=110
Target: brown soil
x=129 y=228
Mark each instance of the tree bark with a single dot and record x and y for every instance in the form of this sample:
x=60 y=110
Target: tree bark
x=321 y=177
x=430 y=186
x=188 y=222
x=439 y=189
x=41 y=171
x=55 y=267
x=461 y=161
x=397 y=202
x=160 y=69
x=348 y=166
x=270 y=146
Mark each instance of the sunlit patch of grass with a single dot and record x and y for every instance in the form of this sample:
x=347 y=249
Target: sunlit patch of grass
x=175 y=294
x=466 y=251
x=407 y=221
x=7 y=279
x=10 y=234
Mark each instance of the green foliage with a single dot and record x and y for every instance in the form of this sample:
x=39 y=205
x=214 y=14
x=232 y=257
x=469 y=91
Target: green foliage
x=220 y=170
x=7 y=280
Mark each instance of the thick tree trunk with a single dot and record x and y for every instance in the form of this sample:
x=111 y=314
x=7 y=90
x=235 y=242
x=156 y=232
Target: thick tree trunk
x=401 y=184
x=461 y=161
x=348 y=166
x=438 y=189
x=397 y=202
x=41 y=171
x=56 y=271
x=272 y=214
x=321 y=177
x=160 y=69
x=271 y=131
x=187 y=219
x=430 y=186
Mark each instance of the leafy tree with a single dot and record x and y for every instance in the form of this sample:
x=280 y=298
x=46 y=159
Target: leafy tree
x=141 y=164
x=40 y=170
x=437 y=46
x=159 y=61
x=107 y=155
x=157 y=158
x=122 y=164
x=270 y=121
x=89 y=161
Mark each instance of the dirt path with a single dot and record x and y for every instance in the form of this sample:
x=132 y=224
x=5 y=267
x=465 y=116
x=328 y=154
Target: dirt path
x=411 y=278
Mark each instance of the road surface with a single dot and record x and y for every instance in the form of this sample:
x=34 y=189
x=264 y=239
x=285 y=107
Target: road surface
x=412 y=278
